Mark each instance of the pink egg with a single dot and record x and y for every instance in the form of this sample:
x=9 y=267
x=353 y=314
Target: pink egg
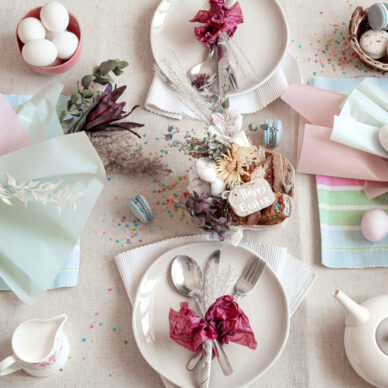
x=374 y=225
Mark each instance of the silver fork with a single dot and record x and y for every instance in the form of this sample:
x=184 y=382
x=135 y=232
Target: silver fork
x=244 y=285
x=249 y=277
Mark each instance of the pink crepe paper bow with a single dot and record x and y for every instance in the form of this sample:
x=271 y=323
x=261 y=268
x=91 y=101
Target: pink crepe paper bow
x=218 y=19
x=226 y=321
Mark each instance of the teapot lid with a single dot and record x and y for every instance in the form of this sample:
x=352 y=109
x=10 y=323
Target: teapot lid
x=382 y=336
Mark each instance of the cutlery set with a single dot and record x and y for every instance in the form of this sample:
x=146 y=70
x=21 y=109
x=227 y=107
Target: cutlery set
x=187 y=278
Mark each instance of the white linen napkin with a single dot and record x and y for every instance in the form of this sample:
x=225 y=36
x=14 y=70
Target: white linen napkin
x=295 y=276
x=164 y=100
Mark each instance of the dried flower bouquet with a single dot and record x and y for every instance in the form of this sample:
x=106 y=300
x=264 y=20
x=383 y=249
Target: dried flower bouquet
x=228 y=166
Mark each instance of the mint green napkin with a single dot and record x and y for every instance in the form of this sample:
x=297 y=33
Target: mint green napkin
x=36 y=241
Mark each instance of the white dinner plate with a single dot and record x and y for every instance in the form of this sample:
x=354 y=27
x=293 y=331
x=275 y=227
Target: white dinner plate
x=259 y=43
x=266 y=307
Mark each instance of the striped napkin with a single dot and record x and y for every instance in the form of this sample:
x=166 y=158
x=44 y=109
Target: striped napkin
x=164 y=100
x=68 y=276
x=342 y=203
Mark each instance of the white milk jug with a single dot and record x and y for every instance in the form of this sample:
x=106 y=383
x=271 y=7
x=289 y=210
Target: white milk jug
x=40 y=347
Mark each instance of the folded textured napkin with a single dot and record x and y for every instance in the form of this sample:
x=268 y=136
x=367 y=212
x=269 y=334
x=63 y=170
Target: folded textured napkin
x=164 y=100
x=295 y=276
x=363 y=113
x=342 y=202
x=317 y=153
x=66 y=172
x=68 y=276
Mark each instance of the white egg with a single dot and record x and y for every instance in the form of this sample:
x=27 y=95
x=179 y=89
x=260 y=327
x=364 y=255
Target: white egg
x=49 y=34
x=31 y=28
x=57 y=62
x=66 y=43
x=374 y=43
x=54 y=16
x=39 y=52
x=383 y=136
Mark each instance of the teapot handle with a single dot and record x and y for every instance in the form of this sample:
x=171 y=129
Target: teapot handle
x=9 y=365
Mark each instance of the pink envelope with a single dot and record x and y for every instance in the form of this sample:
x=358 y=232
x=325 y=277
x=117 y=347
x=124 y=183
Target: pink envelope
x=12 y=133
x=319 y=155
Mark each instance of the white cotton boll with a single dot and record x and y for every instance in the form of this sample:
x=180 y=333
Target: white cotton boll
x=218 y=187
x=208 y=175
x=206 y=169
x=196 y=184
x=237 y=236
x=241 y=139
x=199 y=186
x=29 y=29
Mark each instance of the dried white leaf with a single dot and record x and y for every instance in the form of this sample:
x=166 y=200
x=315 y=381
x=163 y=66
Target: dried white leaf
x=32 y=184
x=11 y=181
x=6 y=200
x=41 y=192
x=63 y=191
x=35 y=196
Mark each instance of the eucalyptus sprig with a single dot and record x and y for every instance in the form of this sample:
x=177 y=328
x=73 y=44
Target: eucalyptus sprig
x=81 y=100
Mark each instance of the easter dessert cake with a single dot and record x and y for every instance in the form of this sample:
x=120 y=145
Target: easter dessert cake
x=280 y=175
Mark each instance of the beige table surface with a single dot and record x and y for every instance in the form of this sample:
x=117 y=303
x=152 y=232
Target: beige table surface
x=314 y=356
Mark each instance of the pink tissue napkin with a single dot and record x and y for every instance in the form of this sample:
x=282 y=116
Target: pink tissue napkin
x=12 y=132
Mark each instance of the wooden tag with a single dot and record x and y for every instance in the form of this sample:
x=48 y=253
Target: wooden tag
x=251 y=197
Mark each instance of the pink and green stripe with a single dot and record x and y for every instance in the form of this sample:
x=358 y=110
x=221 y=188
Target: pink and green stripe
x=342 y=203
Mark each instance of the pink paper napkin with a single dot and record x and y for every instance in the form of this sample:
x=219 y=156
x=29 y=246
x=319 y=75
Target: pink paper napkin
x=12 y=133
x=319 y=155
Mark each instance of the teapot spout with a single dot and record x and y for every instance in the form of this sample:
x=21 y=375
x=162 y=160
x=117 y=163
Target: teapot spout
x=354 y=313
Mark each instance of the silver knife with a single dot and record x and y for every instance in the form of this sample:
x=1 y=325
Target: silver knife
x=194 y=360
x=214 y=260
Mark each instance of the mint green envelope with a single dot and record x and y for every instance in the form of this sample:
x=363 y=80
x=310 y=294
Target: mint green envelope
x=36 y=241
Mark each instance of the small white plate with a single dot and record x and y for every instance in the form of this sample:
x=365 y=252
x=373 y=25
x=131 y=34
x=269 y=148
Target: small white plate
x=266 y=307
x=259 y=43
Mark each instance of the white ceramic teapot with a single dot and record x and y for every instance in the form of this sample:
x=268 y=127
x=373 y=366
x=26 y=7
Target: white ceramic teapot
x=366 y=337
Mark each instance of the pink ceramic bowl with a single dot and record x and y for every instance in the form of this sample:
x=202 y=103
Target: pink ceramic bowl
x=73 y=27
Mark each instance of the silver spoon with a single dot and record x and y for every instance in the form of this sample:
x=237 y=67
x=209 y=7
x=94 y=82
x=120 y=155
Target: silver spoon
x=187 y=278
x=204 y=75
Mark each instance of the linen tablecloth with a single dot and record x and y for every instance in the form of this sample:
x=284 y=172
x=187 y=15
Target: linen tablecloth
x=314 y=356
